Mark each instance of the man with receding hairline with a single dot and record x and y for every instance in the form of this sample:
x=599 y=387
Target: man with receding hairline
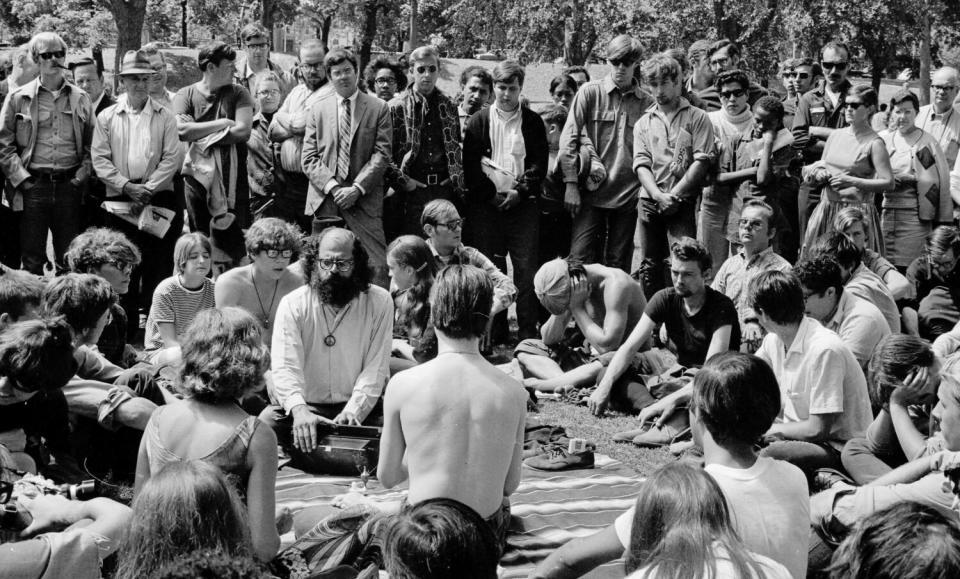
x=454 y=426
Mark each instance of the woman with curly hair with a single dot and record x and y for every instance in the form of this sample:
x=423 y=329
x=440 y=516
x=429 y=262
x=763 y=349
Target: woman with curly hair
x=224 y=360
x=187 y=505
x=413 y=269
x=384 y=78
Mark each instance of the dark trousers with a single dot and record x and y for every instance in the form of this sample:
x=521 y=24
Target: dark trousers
x=9 y=237
x=657 y=232
x=515 y=232
x=291 y=201
x=598 y=233
x=414 y=201
x=48 y=206
x=156 y=256
x=228 y=242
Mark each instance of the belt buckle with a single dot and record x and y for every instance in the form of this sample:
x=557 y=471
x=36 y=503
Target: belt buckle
x=432 y=179
x=59 y=177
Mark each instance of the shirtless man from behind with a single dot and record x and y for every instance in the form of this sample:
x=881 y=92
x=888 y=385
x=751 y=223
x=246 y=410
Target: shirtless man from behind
x=454 y=425
x=604 y=302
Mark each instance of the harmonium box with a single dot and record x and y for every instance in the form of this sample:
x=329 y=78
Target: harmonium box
x=341 y=450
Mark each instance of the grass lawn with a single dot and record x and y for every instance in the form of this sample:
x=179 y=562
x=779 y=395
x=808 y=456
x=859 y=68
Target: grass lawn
x=580 y=423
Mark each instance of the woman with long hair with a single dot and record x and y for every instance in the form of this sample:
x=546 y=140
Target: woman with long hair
x=682 y=530
x=187 y=505
x=413 y=269
x=855 y=167
x=224 y=359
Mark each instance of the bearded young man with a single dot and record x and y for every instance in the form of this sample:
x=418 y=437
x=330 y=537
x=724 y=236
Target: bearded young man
x=331 y=343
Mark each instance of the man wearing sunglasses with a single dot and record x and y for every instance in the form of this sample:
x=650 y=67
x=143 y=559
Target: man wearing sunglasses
x=427 y=160
x=798 y=76
x=605 y=111
x=820 y=112
x=45 y=138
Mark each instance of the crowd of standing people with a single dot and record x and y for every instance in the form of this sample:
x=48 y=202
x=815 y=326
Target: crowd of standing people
x=769 y=281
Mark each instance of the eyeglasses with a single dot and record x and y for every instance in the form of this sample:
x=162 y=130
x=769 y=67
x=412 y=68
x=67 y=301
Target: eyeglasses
x=428 y=68
x=314 y=66
x=619 y=62
x=854 y=105
x=800 y=75
x=275 y=253
x=732 y=94
x=454 y=225
x=384 y=80
x=837 y=65
x=261 y=46
x=752 y=225
x=269 y=92
x=122 y=266
x=342 y=264
x=54 y=54
x=943 y=87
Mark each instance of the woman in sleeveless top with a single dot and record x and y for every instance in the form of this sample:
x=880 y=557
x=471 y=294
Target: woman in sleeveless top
x=854 y=168
x=224 y=359
x=412 y=269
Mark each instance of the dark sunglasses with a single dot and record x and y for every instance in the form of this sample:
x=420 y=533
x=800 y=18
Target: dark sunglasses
x=853 y=105
x=800 y=75
x=54 y=54
x=838 y=65
x=732 y=94
x=429 y=68
x=619 y=62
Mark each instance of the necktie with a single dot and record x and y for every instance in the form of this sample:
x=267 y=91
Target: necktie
x=343 y=143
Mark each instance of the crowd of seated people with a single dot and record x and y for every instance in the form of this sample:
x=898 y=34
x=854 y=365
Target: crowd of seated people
x=267 y=256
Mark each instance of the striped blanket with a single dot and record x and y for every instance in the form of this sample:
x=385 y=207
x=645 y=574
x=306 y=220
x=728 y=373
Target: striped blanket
x=548 y=509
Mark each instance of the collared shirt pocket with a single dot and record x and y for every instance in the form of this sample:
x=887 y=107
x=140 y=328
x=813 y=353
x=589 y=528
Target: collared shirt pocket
x=24 y=129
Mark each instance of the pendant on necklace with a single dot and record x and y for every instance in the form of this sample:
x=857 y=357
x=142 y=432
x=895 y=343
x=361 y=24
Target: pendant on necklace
x=330 y=340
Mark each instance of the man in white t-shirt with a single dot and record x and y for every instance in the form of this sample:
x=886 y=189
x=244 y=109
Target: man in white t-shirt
x=735 y=400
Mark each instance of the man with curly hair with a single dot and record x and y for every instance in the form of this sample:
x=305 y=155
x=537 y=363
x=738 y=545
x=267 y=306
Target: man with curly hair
x=331 y=343
x=258 y=287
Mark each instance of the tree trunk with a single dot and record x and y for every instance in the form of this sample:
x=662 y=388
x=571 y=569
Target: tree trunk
x=183 y=22
x=414 y=33
x=925 y=56
x=367 y=33
x=325 y=31
x=266 y=16
x=128 y=16
x=573 y=34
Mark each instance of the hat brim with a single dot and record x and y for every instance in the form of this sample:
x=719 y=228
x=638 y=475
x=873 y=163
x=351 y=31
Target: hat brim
x=133 y=71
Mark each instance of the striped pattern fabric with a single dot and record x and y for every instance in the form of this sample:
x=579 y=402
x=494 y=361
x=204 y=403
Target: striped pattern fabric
x=548 y=509
x=343 y=142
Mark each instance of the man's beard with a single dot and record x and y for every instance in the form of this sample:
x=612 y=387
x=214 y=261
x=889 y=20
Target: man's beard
x=336 y=290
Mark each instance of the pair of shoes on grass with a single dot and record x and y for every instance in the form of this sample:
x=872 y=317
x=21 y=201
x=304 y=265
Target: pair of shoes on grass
x=649 y=435
x=556 y=456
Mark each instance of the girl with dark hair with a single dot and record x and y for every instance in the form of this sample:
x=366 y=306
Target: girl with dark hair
x=224 y=359
x=562 y=90
x=903 y=377
x=682 y=529
x=413 y=270
x=188 y=505
x=855 y=167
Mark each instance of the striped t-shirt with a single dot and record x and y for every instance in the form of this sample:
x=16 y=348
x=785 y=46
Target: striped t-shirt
x=173 y=303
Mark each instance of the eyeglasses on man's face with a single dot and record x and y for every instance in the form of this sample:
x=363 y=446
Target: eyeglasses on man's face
x=341 y=264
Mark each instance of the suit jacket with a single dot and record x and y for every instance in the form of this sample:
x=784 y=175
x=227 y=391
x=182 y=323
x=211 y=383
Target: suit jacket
x=476 y=145
x=369 y=150
x=106 y=101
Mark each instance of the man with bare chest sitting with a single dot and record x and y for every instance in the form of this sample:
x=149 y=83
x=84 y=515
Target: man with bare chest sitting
x=604 y=303
x=454 y=426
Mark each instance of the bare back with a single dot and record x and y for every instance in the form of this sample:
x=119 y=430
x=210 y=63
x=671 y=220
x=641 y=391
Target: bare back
x=616 y=289
x=461 y=424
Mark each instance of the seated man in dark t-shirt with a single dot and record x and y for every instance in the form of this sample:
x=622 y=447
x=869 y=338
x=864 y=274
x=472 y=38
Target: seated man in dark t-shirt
x=700 y=322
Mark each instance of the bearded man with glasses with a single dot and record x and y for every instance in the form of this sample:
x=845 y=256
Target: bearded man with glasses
x=47 y=125
x=331 y=344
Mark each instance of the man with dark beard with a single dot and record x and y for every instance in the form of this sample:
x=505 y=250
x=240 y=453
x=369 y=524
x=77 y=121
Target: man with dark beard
x=331 y=343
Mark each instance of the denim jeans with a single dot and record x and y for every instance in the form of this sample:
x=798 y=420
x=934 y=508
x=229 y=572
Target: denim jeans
x=515 y=232
x=657 y=232
x=712 y=223
x=48 y=206
x=607 y=234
